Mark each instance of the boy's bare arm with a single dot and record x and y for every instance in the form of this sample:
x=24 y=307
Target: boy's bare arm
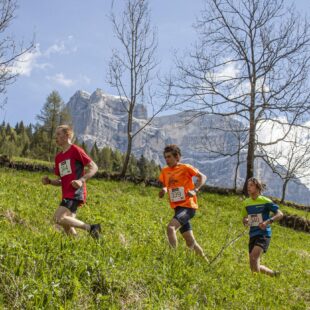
x=47 y=181
x=92 y=168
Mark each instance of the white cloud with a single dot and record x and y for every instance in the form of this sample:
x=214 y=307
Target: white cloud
x=59 y=78
x=226 y=72
x=230 y=71
x=29 y=61
x=62 y=47
x=43 y=66
x=85 y=79
x=272 y=130
x=230 y=74
x=26 y=62
x=55 y=49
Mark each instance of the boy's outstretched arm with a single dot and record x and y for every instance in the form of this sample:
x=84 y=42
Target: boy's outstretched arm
x=201 y=180
x=47 y=181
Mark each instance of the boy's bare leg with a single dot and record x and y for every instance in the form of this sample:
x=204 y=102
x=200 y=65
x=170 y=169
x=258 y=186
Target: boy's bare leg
x=64 y=217
x=255 y=262
x=69 y=230
x=172 y=228
x=193 y=244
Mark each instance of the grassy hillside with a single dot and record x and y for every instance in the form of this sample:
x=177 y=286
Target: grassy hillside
x=132 y=267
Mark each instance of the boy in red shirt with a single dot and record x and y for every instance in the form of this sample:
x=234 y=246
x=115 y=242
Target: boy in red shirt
x=177 y=180
x=69 y=166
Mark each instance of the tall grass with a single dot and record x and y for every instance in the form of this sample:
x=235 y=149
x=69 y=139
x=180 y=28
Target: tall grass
x=132 y=267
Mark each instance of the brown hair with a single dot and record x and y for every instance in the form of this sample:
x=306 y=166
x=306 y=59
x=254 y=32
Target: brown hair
x=174 y=149
x=67 y=130
x=259 y=184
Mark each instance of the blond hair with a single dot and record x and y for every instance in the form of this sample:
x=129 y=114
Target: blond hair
x=67 y=130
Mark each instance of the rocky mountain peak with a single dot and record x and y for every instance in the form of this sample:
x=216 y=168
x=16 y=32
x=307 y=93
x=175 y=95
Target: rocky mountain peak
x=102 y=118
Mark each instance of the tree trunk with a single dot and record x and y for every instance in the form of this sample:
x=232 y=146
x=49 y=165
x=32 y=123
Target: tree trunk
x=127 y=158
x=129 y=142
x=236 y=173
x=251 y=152
x=284 y=190
x=237 y=165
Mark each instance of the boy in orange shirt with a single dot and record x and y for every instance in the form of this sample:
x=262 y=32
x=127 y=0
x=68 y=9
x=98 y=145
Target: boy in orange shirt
x=177 y=180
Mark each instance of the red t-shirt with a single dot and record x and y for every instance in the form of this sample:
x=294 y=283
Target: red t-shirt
x=179 y=180
x=69 y=166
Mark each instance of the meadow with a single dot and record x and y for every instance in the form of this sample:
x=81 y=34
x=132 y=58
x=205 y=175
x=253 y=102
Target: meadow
x=132 y=267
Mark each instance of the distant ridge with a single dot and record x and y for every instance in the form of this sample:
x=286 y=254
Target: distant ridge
x=102 y=118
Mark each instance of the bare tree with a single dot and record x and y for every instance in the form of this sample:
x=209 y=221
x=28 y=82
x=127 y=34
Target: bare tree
x=251 y=62
x=10 y=51
x=131 y=67
x=290 y=159
x=226 y=138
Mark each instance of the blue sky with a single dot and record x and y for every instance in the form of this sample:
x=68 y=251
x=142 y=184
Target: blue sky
x=74 y=41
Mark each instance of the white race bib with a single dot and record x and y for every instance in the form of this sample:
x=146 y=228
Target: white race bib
x=177 y=194
x=255 y=219
x=65 y=168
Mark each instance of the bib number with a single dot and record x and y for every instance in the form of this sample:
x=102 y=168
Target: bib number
x=65 y=168
x=255 y=219
x=177 y=194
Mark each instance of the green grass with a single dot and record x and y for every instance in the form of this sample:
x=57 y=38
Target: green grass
x=132 y=267
x=293 y=211
x=25 y=160
x=287 y=209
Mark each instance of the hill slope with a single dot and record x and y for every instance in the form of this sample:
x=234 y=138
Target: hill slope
x=132 y=266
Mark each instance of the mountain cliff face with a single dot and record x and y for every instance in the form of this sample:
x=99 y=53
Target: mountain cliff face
x=102 y=118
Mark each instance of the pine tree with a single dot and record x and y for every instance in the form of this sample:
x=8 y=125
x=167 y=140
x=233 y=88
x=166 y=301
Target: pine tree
x=94 y=153
x=8 y=129
x=29 y=131
x=39 y=142
x=20 y=128
x=8 y=148
x=133 y=169
x=117 y=160
x=2 y=133
x=84 y=147
x=154 y=170
x=26 y=150
x=52 y=115
x=143 y=167
x=106 y=159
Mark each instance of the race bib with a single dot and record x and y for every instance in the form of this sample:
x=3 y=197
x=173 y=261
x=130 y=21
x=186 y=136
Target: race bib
x=255 y=219
x=177 y=194
x=65 y=168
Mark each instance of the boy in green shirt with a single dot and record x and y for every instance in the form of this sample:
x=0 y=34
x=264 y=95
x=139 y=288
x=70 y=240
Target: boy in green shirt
x=256 y=214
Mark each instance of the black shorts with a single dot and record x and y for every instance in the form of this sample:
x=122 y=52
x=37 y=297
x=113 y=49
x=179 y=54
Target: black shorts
x=71 y=204
x=183 y=215
x=261 y=241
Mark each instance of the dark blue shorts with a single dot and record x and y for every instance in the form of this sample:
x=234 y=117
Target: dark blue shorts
x=261 y=241
x=183 y=215
x=71 y=204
